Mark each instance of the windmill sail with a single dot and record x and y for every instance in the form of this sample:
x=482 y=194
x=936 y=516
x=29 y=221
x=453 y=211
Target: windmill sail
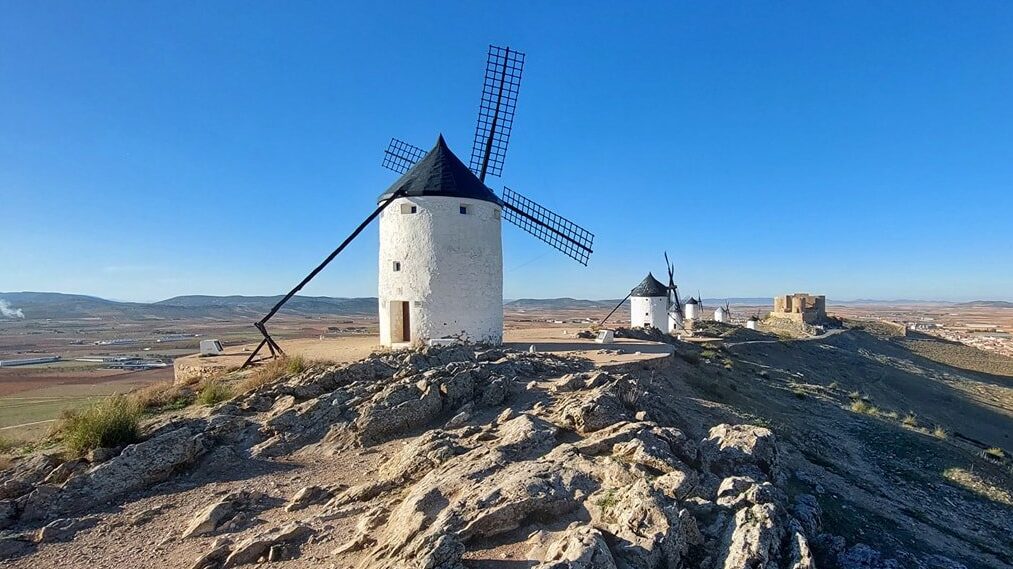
x=567 y=237
x=401 y=156
x=496 y=111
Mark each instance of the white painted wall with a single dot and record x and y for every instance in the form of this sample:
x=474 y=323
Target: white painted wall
x=721 y=315
x=649 y=311
x=451 y=269
x=692 y=311
x=751 y=324
x=674 y=322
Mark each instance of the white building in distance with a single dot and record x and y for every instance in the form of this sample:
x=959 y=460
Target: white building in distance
x=692 y=309
x=441 y=256
x=722 y=315
x=649 y=304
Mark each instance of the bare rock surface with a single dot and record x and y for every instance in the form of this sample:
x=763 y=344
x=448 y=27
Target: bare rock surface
x=443 y=458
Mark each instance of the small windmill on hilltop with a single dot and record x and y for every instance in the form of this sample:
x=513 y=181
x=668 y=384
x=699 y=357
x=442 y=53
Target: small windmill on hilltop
x=441 y=254
x=676 y=317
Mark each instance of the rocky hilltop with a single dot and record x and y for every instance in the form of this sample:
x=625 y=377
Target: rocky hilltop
x=457 y=457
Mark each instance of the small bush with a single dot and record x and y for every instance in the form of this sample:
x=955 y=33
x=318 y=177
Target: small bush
x=111 y=422
x=273 y=371
x=708 y=354
x=165 y=396
x=8 y=445
x=940 y=432
x=996 y=452
x=910 y=420
x=863 y=406
x=690 y=357
x=214 y=392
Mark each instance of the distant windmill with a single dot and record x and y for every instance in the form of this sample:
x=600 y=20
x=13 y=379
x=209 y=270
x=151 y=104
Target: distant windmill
x=676 y=317
x=723 y=313
x=441 y=261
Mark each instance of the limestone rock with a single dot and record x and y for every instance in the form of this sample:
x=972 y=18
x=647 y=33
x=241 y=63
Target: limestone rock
x=744 y=450
x=138 y=466
x=220 y=512
x=753 y=539
x=580 y=547
x=64 y=529
x=252 y=549
x=307 y=496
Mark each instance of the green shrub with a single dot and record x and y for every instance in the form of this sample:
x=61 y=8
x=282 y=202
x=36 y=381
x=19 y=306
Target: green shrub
x=214 y=392
x=296 y=364
x=111 y=422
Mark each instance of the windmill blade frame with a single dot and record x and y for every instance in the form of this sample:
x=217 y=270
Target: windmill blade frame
x=502 y=84
x=560 y=233
x=400 y=156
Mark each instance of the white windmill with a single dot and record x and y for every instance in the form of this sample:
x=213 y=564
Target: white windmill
x=649 y=304
x=441 y=261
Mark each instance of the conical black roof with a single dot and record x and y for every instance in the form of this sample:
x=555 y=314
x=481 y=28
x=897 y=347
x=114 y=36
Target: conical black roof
x=692 y=301
x=650 y=287
x=440 y=173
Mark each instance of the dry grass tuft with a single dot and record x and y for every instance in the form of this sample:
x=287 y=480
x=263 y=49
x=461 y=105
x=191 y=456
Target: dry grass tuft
x=864 y=407
x=273 y=371
x=978 y=485
x=164 y=396
x=213 y=392
x=910 y=420
x=996 y=452
x=111 y=422
x=940 y=432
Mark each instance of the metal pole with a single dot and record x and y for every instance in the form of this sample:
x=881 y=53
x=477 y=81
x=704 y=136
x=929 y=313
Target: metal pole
x=602 y=323
x=261 y=325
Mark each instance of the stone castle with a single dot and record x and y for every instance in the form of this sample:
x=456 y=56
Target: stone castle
x=801 y=307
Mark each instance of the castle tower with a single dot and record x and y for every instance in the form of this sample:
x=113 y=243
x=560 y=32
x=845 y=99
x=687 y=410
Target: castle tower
x=441 y=256
x=692 y=309
x=649 y=304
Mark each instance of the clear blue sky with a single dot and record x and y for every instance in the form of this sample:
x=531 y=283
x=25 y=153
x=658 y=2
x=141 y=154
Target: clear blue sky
x=861 y=150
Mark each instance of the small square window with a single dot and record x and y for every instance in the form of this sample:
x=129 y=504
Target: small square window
x=409 y=208
x=464 y=209
x=397 y=266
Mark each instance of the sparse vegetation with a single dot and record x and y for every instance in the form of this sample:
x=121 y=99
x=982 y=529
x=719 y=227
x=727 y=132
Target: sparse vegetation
x=708 y=354
x=996 y=452
x=272 y=371
x=609 y=500
x=864 y=407
x=110 y=422
x=164 y=396
x=910 y=420
x=213 y=392
x=975 y=483
x=834 y=385
x=940 y=432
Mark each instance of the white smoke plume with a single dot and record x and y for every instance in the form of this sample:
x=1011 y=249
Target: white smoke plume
x=7 y=312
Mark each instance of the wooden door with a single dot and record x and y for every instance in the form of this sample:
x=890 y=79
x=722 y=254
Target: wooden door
x=406 y=326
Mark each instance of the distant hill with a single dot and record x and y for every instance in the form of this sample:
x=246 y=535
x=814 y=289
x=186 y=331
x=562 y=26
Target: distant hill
x=42 y=305
x=558 y=304
x=987 y=304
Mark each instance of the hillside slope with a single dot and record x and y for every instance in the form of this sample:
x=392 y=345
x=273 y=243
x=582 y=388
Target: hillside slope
x=752 y=455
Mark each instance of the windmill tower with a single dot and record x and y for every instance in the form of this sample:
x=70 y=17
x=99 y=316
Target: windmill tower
x=441 y=259
x=723 y=314
x=753 y=322
x=441 y=256
x=692 y=309
x=649 y=304
x=676 y=317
